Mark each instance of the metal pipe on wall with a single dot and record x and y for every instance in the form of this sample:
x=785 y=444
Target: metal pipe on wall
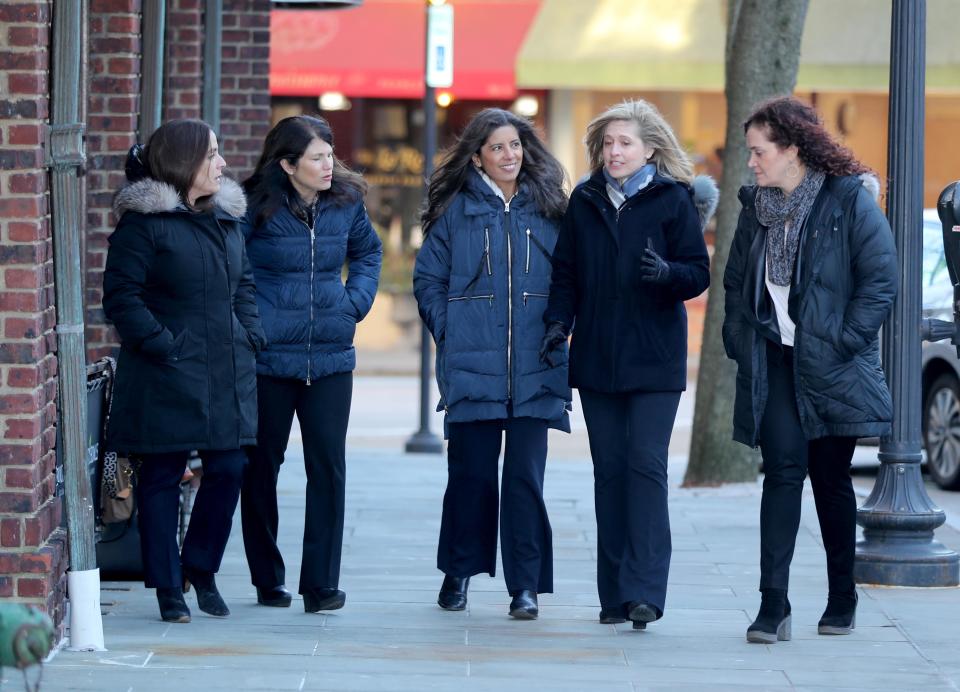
x=212 y=62
x=153 y=27
x=65 y=157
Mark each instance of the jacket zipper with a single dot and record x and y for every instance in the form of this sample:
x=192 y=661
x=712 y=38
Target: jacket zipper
x=486 y=249
x=526 y=269
x=533 y=295
x=506 y=228
x=313 y=237
x=488 y=296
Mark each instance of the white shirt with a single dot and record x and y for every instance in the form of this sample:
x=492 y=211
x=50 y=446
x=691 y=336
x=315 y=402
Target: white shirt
x=780 y=295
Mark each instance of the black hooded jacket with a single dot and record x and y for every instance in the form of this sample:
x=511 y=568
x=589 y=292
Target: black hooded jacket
x=179 y=290
x=629 y=335
x=844 y=282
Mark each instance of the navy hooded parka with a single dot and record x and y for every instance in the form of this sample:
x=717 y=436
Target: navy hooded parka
x=481 y=281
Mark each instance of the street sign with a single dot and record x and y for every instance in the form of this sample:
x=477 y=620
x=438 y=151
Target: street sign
x=440 y=46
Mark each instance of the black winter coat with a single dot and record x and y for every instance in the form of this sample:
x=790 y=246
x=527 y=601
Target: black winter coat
x=179 y=290
x=844 y=282
x=628 y=335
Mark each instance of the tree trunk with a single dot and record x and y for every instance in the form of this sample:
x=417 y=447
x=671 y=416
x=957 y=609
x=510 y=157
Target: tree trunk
x=762 y=57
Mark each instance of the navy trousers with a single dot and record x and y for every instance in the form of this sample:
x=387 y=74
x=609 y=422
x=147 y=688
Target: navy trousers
x=158 y=507
x=323 y=409
x=629 y=435
x=787 y=458
x=468 y=528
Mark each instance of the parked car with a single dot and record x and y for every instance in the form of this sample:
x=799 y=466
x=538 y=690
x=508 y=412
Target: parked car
x=939 y=364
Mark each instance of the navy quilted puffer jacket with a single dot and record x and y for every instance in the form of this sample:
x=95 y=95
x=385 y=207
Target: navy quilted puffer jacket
x=481 y=281
x=308 y=313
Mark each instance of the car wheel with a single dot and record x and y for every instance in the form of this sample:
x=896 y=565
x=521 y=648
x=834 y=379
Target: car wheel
x=941 y=431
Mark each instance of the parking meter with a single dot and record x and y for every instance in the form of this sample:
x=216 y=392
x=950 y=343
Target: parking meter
x=948 y=209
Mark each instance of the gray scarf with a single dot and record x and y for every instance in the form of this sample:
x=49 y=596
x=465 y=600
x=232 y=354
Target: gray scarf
x=774 y=210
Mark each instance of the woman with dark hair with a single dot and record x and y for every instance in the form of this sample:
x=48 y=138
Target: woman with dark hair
x=811 y=276
x=179 y=290
x=306 y=221
x=481 y=281
x=631 y=250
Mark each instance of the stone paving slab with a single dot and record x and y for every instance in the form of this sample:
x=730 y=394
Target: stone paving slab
x=392 y=637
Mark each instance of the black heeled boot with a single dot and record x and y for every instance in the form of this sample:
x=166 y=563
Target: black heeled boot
x=275 y=597
x=613 y=616
x=773 y=620
x=453 y=593
x=840 y=617
x=641 y=612
x=524 y=605
x=172 y=606
x=208 y=598
x=315 y=600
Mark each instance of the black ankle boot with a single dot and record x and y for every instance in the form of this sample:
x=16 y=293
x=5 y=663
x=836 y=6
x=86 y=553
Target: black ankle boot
x=329 y=598
x=773 y=620
x=208 y=598
x=172 y=606
x=524 y=605
x=641 y=612
x=453 y=593
x=840 y=617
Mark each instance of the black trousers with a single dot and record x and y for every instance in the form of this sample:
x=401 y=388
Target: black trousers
x=787 y=458
x=158 y=506
x=323 y=409
x=629 y=437
x=468 y=528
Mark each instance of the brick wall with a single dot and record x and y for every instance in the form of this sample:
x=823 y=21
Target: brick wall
x=244 y=83
x=32 y=546
x=113 y=104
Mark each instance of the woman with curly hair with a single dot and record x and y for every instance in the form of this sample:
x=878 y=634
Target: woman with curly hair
x=811 y=276
x=481 y=282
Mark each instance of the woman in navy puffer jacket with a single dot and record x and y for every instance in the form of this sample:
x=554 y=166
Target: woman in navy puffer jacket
x=307 y=220
x=481 y=282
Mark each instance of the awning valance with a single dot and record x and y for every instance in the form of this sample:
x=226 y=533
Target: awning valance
x=377 y=50
x=680 y=44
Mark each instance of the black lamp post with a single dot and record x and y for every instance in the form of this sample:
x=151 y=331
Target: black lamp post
x=424 y=440
x=898 y=518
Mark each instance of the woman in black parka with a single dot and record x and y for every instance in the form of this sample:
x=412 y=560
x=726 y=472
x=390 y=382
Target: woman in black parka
x=307 y=221
x=179 y=290
x=631 y=250
x=810 y=278
x=481 y=283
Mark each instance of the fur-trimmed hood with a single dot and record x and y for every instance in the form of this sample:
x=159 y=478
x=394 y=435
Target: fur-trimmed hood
x=149 y=196
x=706 y=195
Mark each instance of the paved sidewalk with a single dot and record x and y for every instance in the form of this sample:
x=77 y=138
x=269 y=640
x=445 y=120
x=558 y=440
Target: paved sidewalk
x=392 y=636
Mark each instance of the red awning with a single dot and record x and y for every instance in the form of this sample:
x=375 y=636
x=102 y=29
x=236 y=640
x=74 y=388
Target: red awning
x=378 y=49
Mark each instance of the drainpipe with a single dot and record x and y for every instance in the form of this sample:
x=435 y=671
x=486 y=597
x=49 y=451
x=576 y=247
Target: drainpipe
x=65 y=157
x=212 y=61
x=151 y=75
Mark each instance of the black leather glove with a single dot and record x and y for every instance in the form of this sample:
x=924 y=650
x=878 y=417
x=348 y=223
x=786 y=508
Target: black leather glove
x=653 y=267
x=555 y=335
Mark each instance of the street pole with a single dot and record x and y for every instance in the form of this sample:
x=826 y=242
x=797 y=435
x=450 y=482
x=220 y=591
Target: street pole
x=424 y=441
x=898 y=518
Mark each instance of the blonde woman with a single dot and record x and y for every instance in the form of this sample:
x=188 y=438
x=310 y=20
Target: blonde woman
x=630 y=251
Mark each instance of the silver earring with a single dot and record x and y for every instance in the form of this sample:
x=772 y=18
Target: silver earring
x=793 y=170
